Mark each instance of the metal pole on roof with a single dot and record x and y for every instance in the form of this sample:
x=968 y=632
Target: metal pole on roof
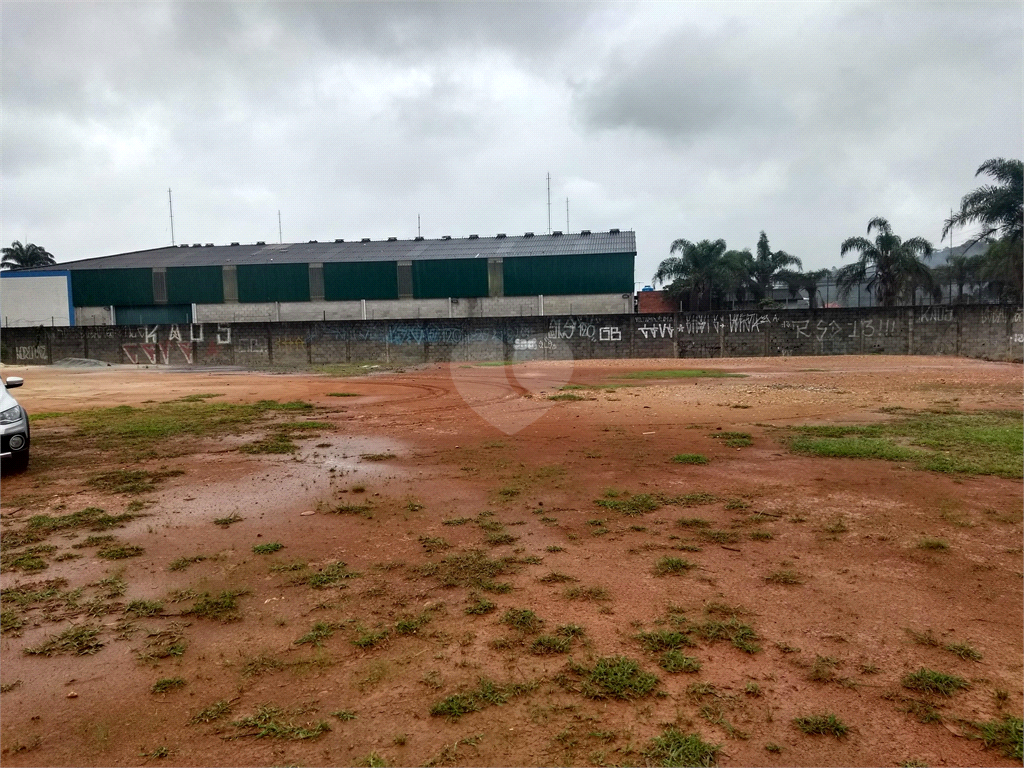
x=280 y=237
x=567 y=215
x=549 y=203
x=417 y=225
x=170 y=207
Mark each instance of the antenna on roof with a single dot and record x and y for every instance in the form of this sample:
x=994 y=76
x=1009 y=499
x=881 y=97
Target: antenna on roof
x=567 y=215
x=280 y=238
x=549 y=203
x=170 y=206
x=417 y=225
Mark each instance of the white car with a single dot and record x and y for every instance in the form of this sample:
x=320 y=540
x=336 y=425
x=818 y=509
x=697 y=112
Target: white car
x=14 y=431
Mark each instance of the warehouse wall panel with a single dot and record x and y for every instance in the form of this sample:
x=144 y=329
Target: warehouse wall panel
x=456 y=278
x=273 y=282
x=351 y=281
x=195 y=285
x=556 y=275
x=118 y=287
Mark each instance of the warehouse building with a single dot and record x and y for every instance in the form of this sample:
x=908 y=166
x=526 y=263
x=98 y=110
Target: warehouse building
x=500 y=276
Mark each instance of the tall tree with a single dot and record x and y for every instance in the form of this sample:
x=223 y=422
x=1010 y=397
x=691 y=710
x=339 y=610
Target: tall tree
x=892 y=268
x=699 y=269
x=19 y=256
x=806 y=281
x=959 y=270
x=766 y=266
x=999 y=209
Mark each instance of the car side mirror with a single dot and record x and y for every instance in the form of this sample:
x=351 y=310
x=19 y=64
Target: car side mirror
x=14 y=381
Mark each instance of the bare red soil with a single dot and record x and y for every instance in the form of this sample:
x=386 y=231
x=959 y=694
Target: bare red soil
x=848 y=530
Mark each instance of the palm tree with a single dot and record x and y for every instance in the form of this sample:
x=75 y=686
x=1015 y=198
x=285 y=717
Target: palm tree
x=765 y=269
x=892 y=267
x=699 y=269
x=20 y=256
x=999 y=209
x=806 y=281
x=960 y=270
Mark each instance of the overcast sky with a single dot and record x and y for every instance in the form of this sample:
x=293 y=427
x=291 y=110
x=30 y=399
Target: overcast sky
x=674 y=119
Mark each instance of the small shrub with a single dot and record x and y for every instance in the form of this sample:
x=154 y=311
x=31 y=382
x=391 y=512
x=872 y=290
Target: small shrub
x=370 y=638
x=617 y=677
x=1006 y=735
x=822 y=725
x=965 y=651
x=571 y=630
x=664 y=639
x=268 y=549
x=522 y=619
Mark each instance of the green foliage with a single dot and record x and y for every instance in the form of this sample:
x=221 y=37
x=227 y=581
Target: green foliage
x=131 y=482
x=734 y=439
x=369 y=638
x=693 y=522
x=673 y=566
x=29 y=560
x=566 y=396
x=11 y=621
x=120 y=551
x=664 y=639
x=270 y=722
x=168 y=684
x=329 y=575
x=675 y=748
x=891 y=267
x=143 y=608
x=617 y=677
x=978 y=443
x=470 y=569
x=486 y=694
x=689 y=458
x=556 y=578
x=267 y=549
x=231 y=519
x=80 y=641
x=222 y=607
x=930 y=681
x=720 y=537
x=965 y=651
x=1005 y=734
x=821 y=725
x=410 y=625
x=934 y=544
x=522 y=619
x=345 y=715
x=632 y=505
x=215 y=711
x=589 y=594
x=676 y=661
x=479 y=606
x=784 y=577
x=547 y=644
x=321 y=631
x=741 y=635
x=377 y=456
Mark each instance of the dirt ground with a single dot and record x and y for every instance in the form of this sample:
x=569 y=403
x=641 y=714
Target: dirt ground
x=414 y=449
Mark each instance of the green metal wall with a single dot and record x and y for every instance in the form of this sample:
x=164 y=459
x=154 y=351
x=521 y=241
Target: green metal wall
x=350 y=281
x=273 y=282
x=561 y=275
x=165 y=314
x=120 y=287
x=195 y=285
x=441 y=278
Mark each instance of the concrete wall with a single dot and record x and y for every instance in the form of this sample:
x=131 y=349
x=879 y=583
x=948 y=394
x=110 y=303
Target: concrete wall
x=986 y=331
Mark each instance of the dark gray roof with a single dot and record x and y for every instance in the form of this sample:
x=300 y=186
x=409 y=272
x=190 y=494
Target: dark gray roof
x=376 y=250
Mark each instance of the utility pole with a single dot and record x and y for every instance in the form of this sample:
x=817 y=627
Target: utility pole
x=549 y=203
x=170 y=207
x=280 y=237
x=417 y=225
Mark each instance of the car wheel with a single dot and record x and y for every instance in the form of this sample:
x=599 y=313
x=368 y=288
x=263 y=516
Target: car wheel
x=17 y=463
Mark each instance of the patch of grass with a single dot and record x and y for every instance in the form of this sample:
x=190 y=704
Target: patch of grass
x=566 y=396
x=486 y=694
x=784 y=577
x=976 y=443
x=472 y=569
x=965 y=651
x=736 y=504
x=616 y=677
x=131 y=482
x=734 y=439
x=720 y=537
x=821 y=725
x=679 y=373
x=664 y=639
x=923 y=638
x=509 y=492
x=934 y=544
x=120 y=551
x=270 y=722
x=214 y=712
x=79 y=641
x=28 y=560
x=693 y=522
x=276 y=442
x=343 y=394
x=369 y=638
x=761 y=535
x=330 y=574
x=930 y=681
x=259 y=665
x=1005 y=734
x=268 y=548
x=672 y=566
x=377 y=456
x=222 y=607
x=410 y=625
x=321 y=631
x=295 y=565
x=143 y=608
x=11 y=621
x=351 y=509
x=181 y=563
x=571 y=630
x=741 y=635
x=588 y=594
x=556 y=578
x=168 y=684
x=479 y=606
x=689 y=458
x=675 y=660
x=673 y=747
x=548 y=644
x=522 y=619
x=639 y=504
x=231 y=519
x=498 y=538
x=823 y=669
x=38 y=527
x=345 y=715
x=457 y=521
